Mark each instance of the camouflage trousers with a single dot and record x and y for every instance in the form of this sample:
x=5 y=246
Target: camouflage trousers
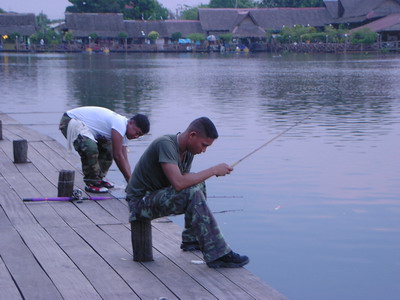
x=96 y=157
x=200 y=224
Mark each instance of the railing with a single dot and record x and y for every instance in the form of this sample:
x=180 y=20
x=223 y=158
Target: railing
x=261 y=47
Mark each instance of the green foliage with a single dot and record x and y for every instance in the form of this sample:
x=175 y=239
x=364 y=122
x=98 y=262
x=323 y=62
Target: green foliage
x=2 y=11
x=296 y=33
x=363 y=36
x=13 y=36
x=145 y=9
x=196 y=37
x=122 y=35
x=68 y=37
x=153 y=35
x=226 y=37
x=50 y=37
x=42 y=22
x=232 y=4
x=190 y=13
x=93 y=36
x=131 y=9
x=176 y=36
x=291 y=3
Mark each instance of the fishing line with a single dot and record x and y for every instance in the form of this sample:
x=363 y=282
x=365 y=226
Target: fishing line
x=275 y=137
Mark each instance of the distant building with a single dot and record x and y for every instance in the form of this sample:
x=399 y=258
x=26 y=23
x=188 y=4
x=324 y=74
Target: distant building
x=22 y=24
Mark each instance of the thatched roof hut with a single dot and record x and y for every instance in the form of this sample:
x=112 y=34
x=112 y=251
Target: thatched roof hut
x=356 y=11
x=228 y=19
x=105 y=25
x=23 y=24
x=140 y=29
x=388 y=25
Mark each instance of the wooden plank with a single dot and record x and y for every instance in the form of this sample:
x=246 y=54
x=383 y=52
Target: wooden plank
x=71 y=157
x=59 y=161
x=13 y=206
x=6 y=119
x=68 y=279
x=143 y=282
x=116 y=208
x=15 y=179
x=7 y=286
x=103 y=278
x=213 y=281
x=27 y=274
x=26 y=133
x=8 y=135
x=241 y=277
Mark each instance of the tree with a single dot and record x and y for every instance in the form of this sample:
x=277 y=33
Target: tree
x=176 y=36
x=226 y=37
x=68 y=37
x=364 y=36
x=131 y=9
x=190 y=13
x=153 y=36
x=291 y=3
x=196 y=37
x=42 y=22
x=231 y=4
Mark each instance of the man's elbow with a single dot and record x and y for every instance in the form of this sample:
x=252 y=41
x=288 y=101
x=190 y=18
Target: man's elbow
x=178 y=186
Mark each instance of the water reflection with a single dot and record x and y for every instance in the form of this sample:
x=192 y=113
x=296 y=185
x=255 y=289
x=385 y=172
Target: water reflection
x=320 y=210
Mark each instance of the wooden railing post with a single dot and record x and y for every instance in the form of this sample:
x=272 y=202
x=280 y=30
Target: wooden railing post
x=20 y=148
x=1 y=130
x=142 y=240
x=66 y=183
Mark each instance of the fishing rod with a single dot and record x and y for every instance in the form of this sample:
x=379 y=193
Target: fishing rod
x=77 y=195
x=275 y=137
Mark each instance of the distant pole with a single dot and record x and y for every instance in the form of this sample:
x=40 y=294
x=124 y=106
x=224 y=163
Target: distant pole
x=1 y=130
x=66 y=183
x=20 y=149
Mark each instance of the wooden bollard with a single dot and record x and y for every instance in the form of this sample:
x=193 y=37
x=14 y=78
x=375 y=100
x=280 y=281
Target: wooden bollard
x=66 y=183
x=142 y=240
x=1 y=130
x=20 y=148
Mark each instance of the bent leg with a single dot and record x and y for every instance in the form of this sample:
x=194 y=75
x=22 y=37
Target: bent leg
x=200 y=224
x=87 y=149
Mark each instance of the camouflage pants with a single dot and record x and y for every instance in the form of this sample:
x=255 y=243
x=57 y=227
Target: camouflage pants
x=96 y=157
x=200 y=224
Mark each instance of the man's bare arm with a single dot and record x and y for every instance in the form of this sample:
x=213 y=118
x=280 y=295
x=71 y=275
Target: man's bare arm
x=181 y=181
x=120 y=154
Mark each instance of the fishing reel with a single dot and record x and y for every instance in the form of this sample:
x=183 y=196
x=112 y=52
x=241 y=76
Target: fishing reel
x=77 y=194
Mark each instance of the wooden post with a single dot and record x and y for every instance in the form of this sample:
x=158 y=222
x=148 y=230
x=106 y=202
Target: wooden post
x=142 y=240
x=1 y=130
x=66 y=183
x=20 y=148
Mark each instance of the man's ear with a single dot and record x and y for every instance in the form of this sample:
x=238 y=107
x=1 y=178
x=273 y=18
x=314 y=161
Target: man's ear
x=192 y=134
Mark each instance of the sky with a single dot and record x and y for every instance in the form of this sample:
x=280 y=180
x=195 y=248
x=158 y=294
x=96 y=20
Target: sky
x=54 y=9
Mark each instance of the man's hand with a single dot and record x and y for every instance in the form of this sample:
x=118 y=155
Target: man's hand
x=222 y=169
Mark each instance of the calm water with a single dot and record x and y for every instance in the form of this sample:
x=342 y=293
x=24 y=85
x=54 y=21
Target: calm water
x=317 y=210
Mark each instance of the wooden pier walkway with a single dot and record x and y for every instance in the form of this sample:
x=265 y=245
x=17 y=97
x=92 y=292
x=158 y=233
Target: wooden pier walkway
x=70 y=250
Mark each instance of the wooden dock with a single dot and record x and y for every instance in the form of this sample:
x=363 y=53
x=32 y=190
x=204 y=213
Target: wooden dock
x=70 y=250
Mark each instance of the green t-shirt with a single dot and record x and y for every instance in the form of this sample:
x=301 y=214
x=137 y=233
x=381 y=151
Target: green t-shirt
x=148 y=174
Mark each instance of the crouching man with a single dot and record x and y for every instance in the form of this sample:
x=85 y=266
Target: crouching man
x=100 y=136
x=162 y=185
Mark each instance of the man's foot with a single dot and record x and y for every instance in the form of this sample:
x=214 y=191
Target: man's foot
x=92 y=188
x=230 y=260
x=107 y=184
x=190 y=246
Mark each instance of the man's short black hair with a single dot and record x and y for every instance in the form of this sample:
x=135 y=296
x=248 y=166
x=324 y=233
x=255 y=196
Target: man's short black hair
x=142 y=122
x=204 y=127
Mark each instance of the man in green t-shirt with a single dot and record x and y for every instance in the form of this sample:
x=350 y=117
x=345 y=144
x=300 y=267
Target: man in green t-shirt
x=162 y=185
